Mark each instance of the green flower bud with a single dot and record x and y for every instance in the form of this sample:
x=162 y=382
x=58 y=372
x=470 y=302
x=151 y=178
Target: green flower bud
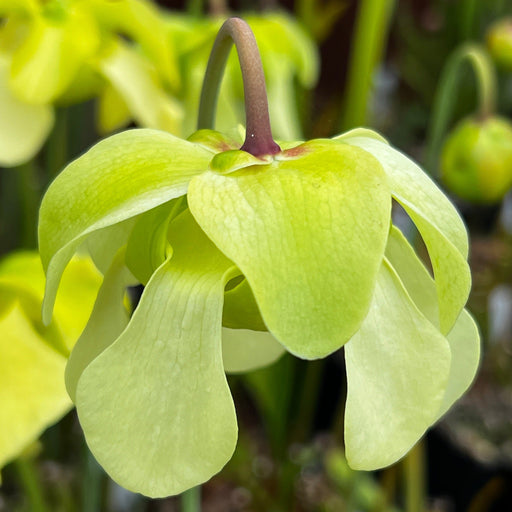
x=499 y=42
x=476 y=162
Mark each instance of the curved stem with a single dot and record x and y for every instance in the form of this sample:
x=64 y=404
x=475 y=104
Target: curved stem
x=446 y=96
x=258 y=140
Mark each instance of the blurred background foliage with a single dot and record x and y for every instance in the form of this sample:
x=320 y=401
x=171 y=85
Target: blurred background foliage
x=72 y=71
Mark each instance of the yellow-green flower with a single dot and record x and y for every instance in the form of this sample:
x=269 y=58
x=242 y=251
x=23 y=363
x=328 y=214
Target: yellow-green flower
x=293 y=251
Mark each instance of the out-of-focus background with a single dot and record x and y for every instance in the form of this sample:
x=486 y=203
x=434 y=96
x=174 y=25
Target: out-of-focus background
x=433 y=76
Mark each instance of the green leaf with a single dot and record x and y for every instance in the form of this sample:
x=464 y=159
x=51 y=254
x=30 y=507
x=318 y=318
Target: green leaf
x=137 y=82
x=23 y=127
x=464 y=338
x=121 y=177
x=439 y=223
x=303 y=233
x=155 y=405
x=397 y=371
x=244 y=350
x=147 y=246
x=108 y=319
x=31 y=384
x=47 y=61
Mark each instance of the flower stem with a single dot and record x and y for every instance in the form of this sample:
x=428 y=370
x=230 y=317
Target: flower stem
x=258 y=140
x=415 y=479
x=31 y=485
x=446 y=96
x=368 y=41
x=191 y=500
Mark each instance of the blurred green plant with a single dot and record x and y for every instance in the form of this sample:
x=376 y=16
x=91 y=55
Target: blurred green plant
x=302 y=237
x=476 y=156
x=32 y=390
x=62 y=52
x=476 y=161
x=499 y=42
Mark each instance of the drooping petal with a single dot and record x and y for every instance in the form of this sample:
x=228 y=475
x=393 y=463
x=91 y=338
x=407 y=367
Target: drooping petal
x=464 y=341
x=397 y=371
x=137 y=82
x=308 y=233
x=244 y=350
x=23 y=127
x=103 y=244
x=143 y=23
x=155 y=405
x=464 y=338
x=119 y=178
x=107 y=321
x=439 y=223
x=48 y=59
x=32 y=396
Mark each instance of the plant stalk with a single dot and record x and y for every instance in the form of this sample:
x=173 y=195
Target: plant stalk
x=368 y=41
x=191 y=500
x=446 y=96
x=258 y=140
x=415 y=479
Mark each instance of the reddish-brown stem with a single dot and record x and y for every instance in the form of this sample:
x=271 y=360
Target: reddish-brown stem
x=258 y=139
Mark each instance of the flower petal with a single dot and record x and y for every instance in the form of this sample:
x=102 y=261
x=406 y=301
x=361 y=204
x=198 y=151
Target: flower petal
x=147 y=246
x=397 y=371
x=31 y=390
x=22 y=276
x=464 y=341
x=155 y=406
x=244 y=350
x=136 y=80
x=49 y=58
x=240 y=309
x=464 y=338
x=107 y=321
x=303 y=233
x=23 y=127
x=120 y=177
x=439 y=223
